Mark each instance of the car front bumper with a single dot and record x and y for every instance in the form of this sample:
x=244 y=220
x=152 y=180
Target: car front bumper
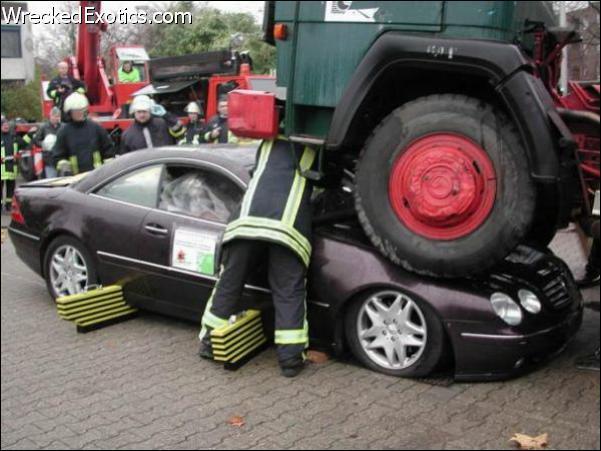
x=480 y=356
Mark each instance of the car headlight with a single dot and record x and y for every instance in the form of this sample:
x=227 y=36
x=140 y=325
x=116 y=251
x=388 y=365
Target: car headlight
x=529 y=301
x=506 y=308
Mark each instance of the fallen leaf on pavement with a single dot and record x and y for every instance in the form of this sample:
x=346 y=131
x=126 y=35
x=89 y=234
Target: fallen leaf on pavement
x=317 y=357
x=236 y=421
x=524 y=441
x=3 y=235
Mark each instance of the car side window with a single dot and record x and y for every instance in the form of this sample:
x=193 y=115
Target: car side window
x=200 y=193
x=139 y=187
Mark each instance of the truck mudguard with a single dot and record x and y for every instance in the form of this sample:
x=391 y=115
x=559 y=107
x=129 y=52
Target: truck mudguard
x=506 y=68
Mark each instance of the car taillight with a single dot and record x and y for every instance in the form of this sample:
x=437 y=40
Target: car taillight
x=15 y=211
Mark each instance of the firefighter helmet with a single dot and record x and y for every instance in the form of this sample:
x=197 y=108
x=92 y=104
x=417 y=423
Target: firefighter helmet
x=48 y=142
x=141 y=103
x=192 y=108
x=75 y=101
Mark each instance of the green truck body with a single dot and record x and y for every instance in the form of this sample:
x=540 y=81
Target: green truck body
x=326 y=43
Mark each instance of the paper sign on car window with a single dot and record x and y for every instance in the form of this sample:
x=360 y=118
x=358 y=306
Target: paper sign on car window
x=194 y=250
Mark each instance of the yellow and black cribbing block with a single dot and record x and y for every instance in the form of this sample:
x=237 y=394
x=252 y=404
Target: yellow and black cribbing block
x=95 y=308
x=235 y=344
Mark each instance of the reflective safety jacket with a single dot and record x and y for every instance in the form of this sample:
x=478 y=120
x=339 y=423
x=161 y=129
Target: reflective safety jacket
x=84 y=144
x=277 y=204
x=225 y=136
x=10 y=145
x=194 y=133
x=69 y=83
x=133 y=76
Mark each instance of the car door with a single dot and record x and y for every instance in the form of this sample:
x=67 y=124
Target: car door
x=116 y=211
x=181 y=238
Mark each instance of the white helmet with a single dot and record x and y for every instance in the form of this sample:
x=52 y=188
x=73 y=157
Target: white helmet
x=141 y=103
x=75 y=101
x=48 y=142
x=192 y=108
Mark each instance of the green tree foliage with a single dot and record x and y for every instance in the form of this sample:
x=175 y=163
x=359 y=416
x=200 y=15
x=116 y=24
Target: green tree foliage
x=211 y=29
x=22 y=101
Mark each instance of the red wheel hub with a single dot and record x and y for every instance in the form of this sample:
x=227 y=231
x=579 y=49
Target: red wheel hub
x=443 y=186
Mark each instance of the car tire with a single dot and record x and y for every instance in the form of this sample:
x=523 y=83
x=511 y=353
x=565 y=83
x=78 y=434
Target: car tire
x=420 y=360
x=455 y=195
x=81 y=258
x=26 y=169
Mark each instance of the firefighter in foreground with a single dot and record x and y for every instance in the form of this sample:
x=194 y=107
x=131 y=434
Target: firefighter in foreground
x=11 y=143
x=274 y=222
x=81 y=144
x=152 y=127
x=195 y=127
x=216 y=130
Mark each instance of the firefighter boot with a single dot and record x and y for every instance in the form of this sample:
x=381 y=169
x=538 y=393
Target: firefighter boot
x=292 y=367
x=205 y=350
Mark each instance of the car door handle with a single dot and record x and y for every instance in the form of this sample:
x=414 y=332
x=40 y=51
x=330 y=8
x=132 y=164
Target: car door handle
x=156 y=229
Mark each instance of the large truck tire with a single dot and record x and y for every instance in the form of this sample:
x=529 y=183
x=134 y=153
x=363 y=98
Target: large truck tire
x=443 y=186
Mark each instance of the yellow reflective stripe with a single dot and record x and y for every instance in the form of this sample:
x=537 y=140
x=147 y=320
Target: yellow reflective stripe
x=80 y=90
x=263 y=157
x=97 y=159
x=298 y=188
x=271 y=224
x=52 y=94
x=27 y=139
x=275 y=235
x=213 y=321
x=6 y=175
x=293 y=336
x=74 y=164
x=177 y=134
x=231 y=138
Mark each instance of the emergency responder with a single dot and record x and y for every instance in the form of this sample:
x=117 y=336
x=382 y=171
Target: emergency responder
x=153 y=126
x=61 y=86
x=128 y=73
x=11 y=143
x=216 y=129
x=195 y=127
x=41 y=138
x=274 y=222
x=81 y=143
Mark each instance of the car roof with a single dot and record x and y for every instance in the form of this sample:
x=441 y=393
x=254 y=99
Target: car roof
x=238 y=159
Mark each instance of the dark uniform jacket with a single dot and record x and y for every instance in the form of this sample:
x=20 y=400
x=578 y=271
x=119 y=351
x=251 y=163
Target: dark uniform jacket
x=194 y=133
x=277 y=204
x=10 y=144
x=224 y=135
x=69 y=83
x=84 y=144
x=46 y=129
x=160 y=135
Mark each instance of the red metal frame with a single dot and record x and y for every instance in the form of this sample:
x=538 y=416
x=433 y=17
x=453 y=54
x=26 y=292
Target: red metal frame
x=581 y=97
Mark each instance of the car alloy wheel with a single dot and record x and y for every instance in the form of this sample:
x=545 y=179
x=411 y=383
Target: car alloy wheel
x=68 y=271
x=392 y=330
